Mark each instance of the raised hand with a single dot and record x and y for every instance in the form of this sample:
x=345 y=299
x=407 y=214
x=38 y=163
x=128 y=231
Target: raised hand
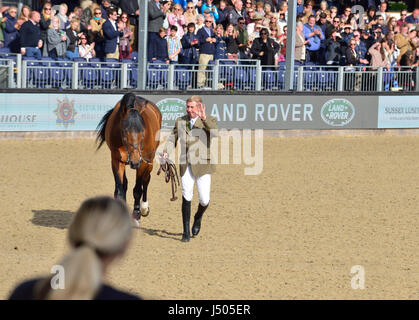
x=201 y=112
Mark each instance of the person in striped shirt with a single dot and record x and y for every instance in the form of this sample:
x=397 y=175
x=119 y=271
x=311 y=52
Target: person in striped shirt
x=173 y=45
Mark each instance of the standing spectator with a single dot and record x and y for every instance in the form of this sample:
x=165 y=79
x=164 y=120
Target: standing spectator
x=222 y=13
x=308 y=10
x=112 y=31
x=300 y=44
x=56 y=40
x=265 y=49
x=221 y=45
x=243 y=38
x=382 y=9
x=207 y=43
x=159 y=50
x=73 y=33
x=212 y=9
x=30 y=36
x=99 y=235
x=323 y=24
x=190 y=45
x=323 y=9
x=11 y=34
x=2 y=24
x=333 y=14
x=334 y=46
x=300 y=7
x=314 y=35
x=370 y=20
x=86 y=50
x=402 y=41
x=190 y=15
x=232 y=42
x=256 y=20
x=156 y=15
x=96 y=34
x=402 y=20
x=62 y=14
x=127 y=36
x=130 y=7
x=414 y=17
x=282 y=41
x=236 y=12
x=104 y=7
x=353 y=77
x=346 y=14
x=45 y=24
x=200 y=23
x=25 y=13
x=177 y=19
x=378 y=56
x=173 y=45
x=334 y=25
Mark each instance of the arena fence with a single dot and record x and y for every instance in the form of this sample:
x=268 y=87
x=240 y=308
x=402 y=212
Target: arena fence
x=219 y=75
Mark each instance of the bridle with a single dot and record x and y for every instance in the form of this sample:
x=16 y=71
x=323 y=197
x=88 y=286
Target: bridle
x=135 y=147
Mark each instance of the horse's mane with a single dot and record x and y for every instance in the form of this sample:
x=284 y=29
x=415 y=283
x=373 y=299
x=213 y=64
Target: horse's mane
x=133 y=122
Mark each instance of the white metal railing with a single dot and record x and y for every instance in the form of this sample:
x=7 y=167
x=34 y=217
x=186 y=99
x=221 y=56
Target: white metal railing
x=220 y=75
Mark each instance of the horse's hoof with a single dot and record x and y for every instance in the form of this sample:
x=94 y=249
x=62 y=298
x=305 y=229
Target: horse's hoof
x=145 y=212
x=135 y=223
x=186 y=237
x=136 y=215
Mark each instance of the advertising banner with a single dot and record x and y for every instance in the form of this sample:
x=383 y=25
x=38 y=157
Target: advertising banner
x=398 y=112
x=78 y=112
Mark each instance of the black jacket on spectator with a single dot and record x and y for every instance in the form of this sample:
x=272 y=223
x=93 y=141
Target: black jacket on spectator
x=232 y=44
x=204 y=46
x=334 y=50
x=270 y=48
x=159 y=49
x=30 y=34
x=189 y=53
x=351 y=59
x=11 y=34
x=73 y=39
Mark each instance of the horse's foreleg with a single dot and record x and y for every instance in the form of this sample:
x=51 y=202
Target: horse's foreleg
x=145 y=209
x=137 y=193
x=121 y=182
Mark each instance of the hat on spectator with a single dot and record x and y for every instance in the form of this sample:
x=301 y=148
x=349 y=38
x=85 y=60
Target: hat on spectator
x=257 y=16
x=207 y=10
x=365 y=31
x=414 y=28
x=347 y=26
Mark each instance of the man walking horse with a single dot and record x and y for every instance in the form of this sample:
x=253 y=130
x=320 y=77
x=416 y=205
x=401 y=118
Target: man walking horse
x=194 y=131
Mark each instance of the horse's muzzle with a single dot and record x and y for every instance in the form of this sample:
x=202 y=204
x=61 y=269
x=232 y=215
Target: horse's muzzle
x=134 y=166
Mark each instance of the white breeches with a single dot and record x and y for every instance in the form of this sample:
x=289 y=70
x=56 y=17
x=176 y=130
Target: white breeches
x=203 y=185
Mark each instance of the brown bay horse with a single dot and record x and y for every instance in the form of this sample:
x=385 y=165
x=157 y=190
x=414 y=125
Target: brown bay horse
x=132 y=132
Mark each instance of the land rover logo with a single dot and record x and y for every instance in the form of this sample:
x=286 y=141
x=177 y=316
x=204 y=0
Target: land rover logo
x=337 y=112
x=171 y=109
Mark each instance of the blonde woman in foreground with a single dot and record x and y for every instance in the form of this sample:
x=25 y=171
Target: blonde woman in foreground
x=99 y=234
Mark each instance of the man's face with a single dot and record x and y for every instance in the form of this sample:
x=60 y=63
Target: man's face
x=415 y=13
x=238 y=5
x=311 y=22
x=173 y=33
x=36 y=17
x=192 y=109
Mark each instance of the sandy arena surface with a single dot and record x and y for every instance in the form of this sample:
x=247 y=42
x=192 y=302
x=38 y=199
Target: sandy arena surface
x=320 y=206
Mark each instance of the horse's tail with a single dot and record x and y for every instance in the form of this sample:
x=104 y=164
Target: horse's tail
x=101 y=128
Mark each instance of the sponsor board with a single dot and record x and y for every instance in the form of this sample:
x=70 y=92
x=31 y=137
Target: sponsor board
x=78 y=112
x=398 y=112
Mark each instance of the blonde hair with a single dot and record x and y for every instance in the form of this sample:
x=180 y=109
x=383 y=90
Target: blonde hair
x=54 y=18
x=197 y=99
x=101 y=228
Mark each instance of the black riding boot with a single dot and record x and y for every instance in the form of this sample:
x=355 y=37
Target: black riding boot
x=197 y=219
x=186 y=218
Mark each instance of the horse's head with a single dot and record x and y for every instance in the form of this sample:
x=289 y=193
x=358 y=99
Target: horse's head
x=132 y=130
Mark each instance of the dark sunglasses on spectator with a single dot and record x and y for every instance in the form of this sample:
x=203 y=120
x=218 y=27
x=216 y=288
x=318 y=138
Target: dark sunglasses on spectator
x=263 y=33
x=240 y=22
x=191 y=8
x=47 y=9
x=208 y=21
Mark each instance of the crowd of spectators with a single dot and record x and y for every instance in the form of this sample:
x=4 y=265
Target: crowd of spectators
x=340 y=32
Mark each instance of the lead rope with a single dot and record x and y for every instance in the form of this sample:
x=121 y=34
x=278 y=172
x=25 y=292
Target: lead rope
x=170 y=172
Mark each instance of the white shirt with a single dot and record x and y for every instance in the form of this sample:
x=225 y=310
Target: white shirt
x=115 y=27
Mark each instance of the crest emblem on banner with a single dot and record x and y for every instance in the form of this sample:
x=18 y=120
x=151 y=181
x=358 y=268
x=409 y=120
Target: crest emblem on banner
x=65 y=112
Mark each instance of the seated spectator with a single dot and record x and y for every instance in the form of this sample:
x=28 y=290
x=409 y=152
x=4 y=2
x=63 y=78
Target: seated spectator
x=314 y=35
x=370 y=19
x=189 y=53
x=10 y=33
x=308 y=11
x=158 y=49
x=211 y=8
x=265 y=49
x=56 y=41
x=62 y=14
x=30 y=36
x=221 y=46
x=173 y=45
x=414 y=17
x=99 y=235
x=45 y=24
x=86 y=50
x=127 y=37
x=177 y=19
x=300 y=7
x=190 y=15
x=391 y=24
x=256 y=20
x=112 y=32
x=73 y=33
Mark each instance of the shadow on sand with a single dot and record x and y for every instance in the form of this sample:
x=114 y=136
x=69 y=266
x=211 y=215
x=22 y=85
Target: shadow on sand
x=59 y=219
x=162 y=233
